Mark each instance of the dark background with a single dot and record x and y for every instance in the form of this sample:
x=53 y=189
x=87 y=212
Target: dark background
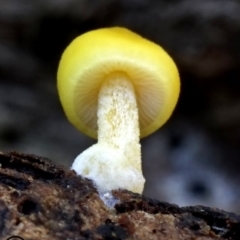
x=195 y=157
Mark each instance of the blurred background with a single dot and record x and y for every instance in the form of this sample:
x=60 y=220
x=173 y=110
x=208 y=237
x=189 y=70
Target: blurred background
x=195 y=157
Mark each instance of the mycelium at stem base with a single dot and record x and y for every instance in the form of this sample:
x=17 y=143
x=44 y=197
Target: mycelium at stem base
x=115 y=161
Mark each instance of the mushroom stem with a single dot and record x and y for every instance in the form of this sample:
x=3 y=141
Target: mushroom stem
x=118 y=124
x=115 y=161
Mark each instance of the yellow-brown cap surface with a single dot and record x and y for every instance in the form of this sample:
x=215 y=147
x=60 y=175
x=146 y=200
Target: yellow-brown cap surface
x=93 y=56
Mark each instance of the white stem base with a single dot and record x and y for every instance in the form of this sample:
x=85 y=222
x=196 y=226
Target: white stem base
x=115 y=161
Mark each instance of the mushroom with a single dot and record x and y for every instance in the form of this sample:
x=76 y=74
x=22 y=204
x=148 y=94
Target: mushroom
x=116 y=86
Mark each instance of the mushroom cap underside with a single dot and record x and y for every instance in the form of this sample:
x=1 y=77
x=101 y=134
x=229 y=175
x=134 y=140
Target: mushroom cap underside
x=92 y=57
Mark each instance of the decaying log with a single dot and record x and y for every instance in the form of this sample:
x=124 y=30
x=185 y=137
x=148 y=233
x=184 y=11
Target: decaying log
x=40 y=200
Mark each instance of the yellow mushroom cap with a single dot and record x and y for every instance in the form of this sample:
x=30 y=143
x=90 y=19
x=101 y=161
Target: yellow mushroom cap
x=95 y=55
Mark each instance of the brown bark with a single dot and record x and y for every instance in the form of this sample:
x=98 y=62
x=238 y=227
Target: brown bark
x=40 y=200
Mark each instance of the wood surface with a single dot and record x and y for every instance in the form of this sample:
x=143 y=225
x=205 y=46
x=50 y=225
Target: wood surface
x=40 y=200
